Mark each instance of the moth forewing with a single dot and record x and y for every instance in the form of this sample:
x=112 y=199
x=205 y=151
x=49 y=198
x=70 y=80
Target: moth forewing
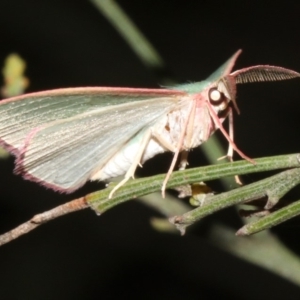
x=63 y=154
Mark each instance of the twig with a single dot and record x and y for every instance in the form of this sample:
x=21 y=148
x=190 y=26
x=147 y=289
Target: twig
x=272 y=219
x=100 y=202
x=42 y=218
x=274 y=187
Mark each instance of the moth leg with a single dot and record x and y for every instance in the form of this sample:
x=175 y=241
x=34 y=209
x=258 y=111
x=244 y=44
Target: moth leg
x=183 y=160
x=130 y=173
x=188 y=138
x=231 y=142
x=231 y=135
x=229 y=154
x=230 y=148
x=183 y=133
x=166 y=144
x=173 y=149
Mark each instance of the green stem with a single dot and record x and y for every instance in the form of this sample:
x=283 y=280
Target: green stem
x=271 y=220
x=274 y=187
x=135 y=188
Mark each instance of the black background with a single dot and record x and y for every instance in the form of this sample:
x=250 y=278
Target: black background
x=81 y=256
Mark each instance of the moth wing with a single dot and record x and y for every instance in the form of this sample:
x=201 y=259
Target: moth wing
x=19 y=115
x=64 y=154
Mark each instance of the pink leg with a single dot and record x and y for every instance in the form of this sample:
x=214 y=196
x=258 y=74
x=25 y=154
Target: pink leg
x=183 y=160
x=179 y=146
x=232 y=145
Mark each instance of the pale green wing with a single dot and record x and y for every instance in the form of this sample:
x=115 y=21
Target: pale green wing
x=63 y=154
x=19 y=115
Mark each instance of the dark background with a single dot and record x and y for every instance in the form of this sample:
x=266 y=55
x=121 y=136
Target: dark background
x=81 y=256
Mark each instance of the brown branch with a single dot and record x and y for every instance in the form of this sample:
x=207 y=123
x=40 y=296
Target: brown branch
x=39 y=219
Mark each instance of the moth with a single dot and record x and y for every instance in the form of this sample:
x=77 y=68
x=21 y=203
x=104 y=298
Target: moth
x=64 y=137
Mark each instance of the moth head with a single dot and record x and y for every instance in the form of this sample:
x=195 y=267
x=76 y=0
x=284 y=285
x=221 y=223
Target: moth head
x=225 y=90
x=222 y=93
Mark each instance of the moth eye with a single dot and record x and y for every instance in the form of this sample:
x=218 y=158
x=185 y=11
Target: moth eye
x=214 y=95
x=217 y=99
